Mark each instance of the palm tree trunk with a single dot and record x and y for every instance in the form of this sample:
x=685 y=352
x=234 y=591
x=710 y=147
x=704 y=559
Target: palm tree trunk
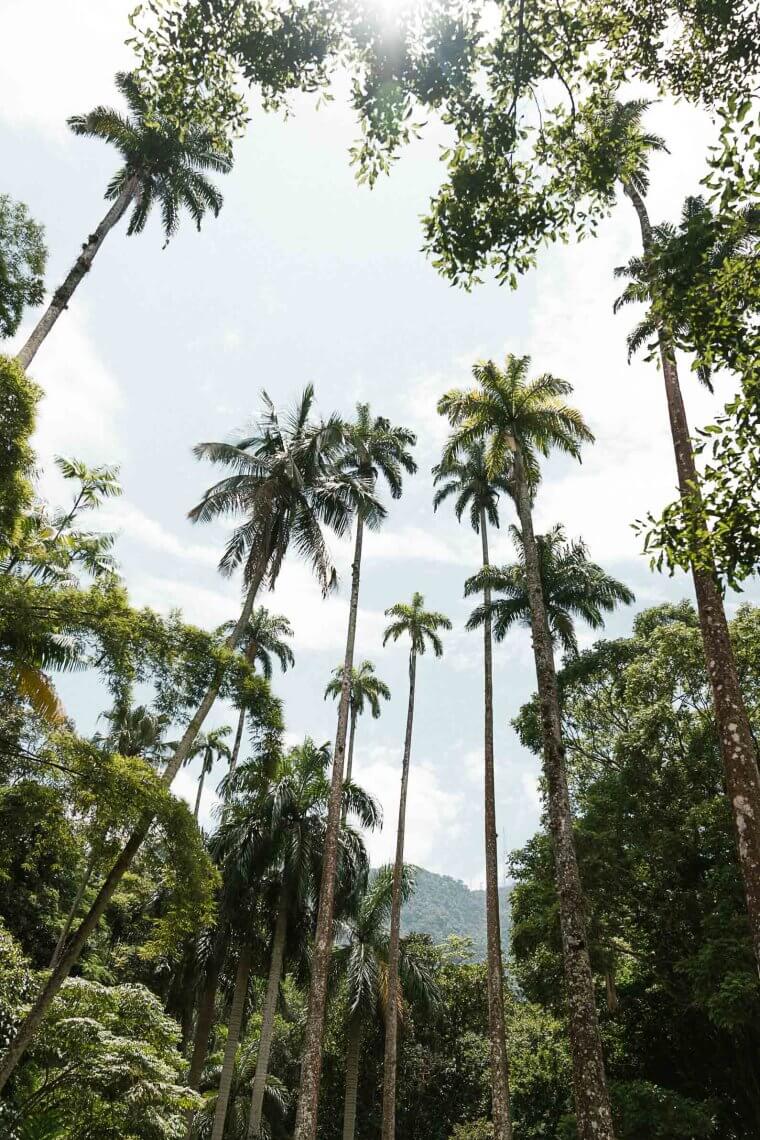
x=737 y=746
x=311 y=1064
x=74 y=908
x=197 y=807
x=267 y=1021
x=205 y=1020
x=237 y=1008
x=350 y=762
x=352 y=1077
x=594 y=1116
x=81 y=266
x=236 y=746
x=391 y=1013
x=502 y=1123
x=70 y=955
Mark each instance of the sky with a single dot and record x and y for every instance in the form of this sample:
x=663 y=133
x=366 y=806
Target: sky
x=308 y=277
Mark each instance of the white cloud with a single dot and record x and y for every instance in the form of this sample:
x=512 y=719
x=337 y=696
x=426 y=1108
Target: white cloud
x=127 y=519
x=199 y=604
x=433 y=811
x=60 y=61
x=413 y=543
x=79 y=414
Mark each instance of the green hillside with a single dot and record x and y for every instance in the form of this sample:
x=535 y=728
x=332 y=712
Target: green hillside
x=441 y=906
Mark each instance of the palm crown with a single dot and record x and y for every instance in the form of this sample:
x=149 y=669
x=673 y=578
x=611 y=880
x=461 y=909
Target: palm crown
x=419 y=624
x=374 y=447
x=571 y=584
x=506 y=411
x=468 y=479
x=364 y=685
x=264 y=638
x=212 y=746
x=617 y=146
x=287 y=483
x=167 y=168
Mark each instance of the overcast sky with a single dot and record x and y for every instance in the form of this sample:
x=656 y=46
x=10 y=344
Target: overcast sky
x=305 y=277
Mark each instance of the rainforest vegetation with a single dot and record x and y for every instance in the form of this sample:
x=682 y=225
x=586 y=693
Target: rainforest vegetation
x=166 y=973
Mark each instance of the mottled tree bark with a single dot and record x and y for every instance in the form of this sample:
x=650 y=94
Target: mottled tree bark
x=236 y=745
x=592 y=1105
x=75 y=944
x=267 y=1021
x=737 y=747
x=388 y=1129
x=352 y=1077
x=237 y=1009
x=81 y=266
x=201 y=780
x=311 y=1062
x=502 y=1123
x=350 y=761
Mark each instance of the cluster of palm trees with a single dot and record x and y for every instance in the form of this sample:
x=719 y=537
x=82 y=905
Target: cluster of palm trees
x=288 y=482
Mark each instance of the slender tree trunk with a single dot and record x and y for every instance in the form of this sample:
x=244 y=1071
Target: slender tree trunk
x=234 y=1023
x=352 y=1077
x=350 y=763
x=205 y=1020
x=70 y=954
x=74 y=908
x=267 y=1021
x=311 y=1063
x=737 y=746
x=63 y=294
x=594 y=1116
x=391 y=1013
x=197 y=807
x=250 y=655
x=236 y=745
x=502 y=1123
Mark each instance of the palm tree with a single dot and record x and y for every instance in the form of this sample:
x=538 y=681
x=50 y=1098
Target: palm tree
x=210 y=746
x=287 y=484
x=160 y=167
x=289 y=812
x=421 y=627
x=364 y=685
x=361 y=959
x=519 y=419
x=263 y=639
x=468 y=480
x=372 y=448
x=621 y=125
x=572 y=587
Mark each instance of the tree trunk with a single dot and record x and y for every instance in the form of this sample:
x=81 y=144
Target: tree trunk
x=267 y=1021
x=74 y=908
x=201 y=779
x=350 y=763
x=594 y=1116
x=204 y=1020
x=70 y=955
x=236 y=746
x=737 y=746
x=502 y=1124
x=391 y=1013
x=234 y=1023
x=81 y=266
x=311 y=1064
x=352 y=1077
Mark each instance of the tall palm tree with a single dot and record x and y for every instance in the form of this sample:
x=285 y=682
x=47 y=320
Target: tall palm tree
x=210 y=746
x=289 y=811
x=161 y=167
x=518 y=420
x=621 y=125
x=287 y=486
x=421 y=626
x=572 y=587
x=263 y=639
x=364 y=685
x=373 y=447
x=361 y=960
x=467 y=479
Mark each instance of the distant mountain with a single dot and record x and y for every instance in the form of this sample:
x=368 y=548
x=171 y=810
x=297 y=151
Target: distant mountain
x=441 y=906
